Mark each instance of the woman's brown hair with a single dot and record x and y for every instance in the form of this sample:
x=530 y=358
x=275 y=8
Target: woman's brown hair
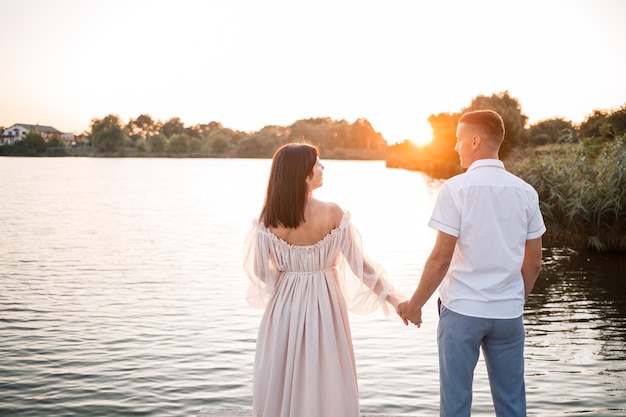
x=287 y=189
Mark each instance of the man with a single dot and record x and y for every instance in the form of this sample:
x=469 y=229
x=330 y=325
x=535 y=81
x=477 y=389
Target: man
x=485 y=261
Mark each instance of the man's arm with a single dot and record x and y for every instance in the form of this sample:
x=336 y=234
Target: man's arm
x=434 y=271
x=531 y=264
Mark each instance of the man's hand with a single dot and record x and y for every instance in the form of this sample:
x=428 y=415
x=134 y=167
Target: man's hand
x=410 y=313
x=414 y=314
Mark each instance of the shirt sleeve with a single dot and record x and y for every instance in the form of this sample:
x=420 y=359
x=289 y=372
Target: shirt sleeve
x=536 y=225
x=446 y=215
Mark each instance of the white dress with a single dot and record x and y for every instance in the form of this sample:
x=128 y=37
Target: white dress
x=304 y=363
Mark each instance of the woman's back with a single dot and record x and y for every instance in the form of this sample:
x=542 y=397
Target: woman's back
x=320 y=218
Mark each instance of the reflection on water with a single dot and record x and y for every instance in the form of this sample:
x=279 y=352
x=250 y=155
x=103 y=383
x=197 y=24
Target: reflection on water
x=122 y=293
x=584 y=291
x=575 y=320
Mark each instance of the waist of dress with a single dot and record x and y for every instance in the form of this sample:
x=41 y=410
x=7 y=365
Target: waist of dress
x=308 y=272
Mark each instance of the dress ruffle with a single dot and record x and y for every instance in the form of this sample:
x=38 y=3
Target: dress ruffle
x=362 y=281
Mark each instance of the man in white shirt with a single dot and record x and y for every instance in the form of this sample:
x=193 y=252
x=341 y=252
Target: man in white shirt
x=485 y=262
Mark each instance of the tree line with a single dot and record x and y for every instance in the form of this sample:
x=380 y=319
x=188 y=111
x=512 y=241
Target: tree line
x=440 y=160
x=144 y=136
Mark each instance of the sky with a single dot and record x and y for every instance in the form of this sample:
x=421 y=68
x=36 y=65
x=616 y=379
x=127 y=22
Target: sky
x=248 y=64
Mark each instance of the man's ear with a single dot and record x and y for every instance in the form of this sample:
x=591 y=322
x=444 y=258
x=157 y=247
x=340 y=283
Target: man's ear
x=476 y=141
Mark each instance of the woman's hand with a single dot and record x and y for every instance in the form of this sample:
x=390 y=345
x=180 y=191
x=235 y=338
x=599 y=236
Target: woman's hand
x=401 y=310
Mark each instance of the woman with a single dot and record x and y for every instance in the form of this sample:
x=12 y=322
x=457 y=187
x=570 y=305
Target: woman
x=305 y=262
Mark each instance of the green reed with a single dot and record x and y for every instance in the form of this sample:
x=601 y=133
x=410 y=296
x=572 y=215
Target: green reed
x=582 y=191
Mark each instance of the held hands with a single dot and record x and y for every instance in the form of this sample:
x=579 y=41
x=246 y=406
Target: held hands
x=407 y=313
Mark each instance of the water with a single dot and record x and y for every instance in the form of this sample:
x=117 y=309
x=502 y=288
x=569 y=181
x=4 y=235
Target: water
x=122 y=293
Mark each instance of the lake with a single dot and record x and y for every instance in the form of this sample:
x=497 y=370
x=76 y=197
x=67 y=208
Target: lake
x=122 y=293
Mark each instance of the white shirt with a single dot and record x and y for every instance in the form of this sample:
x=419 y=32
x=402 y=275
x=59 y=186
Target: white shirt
x=492 y=213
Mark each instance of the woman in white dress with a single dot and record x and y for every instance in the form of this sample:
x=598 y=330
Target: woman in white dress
x=307 y=268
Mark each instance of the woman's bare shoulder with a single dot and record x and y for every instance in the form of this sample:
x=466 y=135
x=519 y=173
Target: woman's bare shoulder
x=331 y=212
x=335 y=213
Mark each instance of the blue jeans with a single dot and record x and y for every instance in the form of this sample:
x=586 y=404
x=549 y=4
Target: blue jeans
x=459 y=339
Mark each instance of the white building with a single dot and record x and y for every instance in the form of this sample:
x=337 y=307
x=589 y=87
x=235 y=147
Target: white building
x=18 y=131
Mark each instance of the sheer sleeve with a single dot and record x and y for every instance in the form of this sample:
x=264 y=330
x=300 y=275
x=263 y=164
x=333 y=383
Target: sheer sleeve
x=259 y=267
x=363 y=281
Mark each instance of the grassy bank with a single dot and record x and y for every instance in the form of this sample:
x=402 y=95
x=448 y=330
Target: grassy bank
x=582 y=191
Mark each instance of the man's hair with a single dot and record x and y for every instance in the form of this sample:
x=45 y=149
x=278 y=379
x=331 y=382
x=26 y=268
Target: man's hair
x=488 y=122
x=287 y=189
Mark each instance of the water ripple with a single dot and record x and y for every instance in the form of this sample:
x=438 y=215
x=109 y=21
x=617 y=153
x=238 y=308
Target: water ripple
x=122 y=293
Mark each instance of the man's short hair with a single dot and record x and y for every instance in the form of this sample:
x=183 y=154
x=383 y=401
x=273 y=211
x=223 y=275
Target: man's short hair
x=488 y=121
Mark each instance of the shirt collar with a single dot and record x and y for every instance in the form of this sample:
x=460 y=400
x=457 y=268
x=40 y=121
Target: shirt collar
x=496 y=163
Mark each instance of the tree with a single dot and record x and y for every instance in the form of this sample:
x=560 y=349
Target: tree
x=157 y=143
x=142 y=127
x=337 y=135
x=219 y=145
x=179 y=143
x=225 y=133
x=313 y=130
x=141 y=145
x=271 y=137
x=172 y=127
x=55 y=146
x=206 y=129
x=33 y=144
x=251 y=147
x=192 y=133
x=363 y=136
x=330 y=134
x=55 y=142
x=195 y=145
x=442 y=144
x=604 y=124
x=551 y=131
x=107 y=135
x=82 y=139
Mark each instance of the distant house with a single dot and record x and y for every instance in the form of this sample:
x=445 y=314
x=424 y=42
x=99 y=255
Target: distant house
x=19 y=130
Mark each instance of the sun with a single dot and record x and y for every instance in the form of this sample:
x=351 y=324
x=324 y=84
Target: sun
x=420 y=134
x=423 y=134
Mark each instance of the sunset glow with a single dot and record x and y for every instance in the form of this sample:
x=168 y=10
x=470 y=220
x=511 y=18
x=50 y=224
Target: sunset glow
x=248 y=64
